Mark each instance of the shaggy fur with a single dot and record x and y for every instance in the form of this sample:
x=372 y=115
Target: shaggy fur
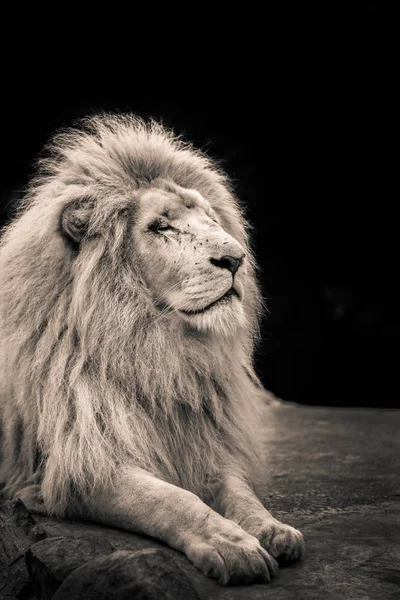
x=93 y=376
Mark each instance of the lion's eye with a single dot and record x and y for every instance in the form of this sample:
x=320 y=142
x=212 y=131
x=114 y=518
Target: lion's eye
x=157 y=226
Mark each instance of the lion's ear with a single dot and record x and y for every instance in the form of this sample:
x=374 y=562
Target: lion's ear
x=75 y=219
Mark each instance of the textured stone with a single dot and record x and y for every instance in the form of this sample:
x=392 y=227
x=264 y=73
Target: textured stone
x=18 y=531
x=51 y=560
x=144 y=575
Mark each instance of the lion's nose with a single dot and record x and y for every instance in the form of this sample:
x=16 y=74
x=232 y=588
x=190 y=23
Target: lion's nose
x=228 y=262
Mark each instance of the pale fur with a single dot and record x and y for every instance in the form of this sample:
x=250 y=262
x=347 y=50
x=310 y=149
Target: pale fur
x=93 y=376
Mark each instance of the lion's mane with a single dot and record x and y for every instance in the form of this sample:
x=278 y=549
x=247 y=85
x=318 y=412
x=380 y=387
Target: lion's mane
x=90 y=377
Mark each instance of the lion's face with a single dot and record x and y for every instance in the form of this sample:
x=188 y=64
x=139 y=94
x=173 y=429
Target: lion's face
x=191 y=265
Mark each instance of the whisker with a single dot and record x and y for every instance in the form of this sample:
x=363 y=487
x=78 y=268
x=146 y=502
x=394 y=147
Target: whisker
x=164 y=294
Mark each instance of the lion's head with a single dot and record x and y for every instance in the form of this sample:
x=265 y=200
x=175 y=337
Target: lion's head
x=127 y=295
x=186 y=233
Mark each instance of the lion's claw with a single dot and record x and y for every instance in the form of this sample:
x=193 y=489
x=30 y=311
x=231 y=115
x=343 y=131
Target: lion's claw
x=283 y=542
x=232 y=556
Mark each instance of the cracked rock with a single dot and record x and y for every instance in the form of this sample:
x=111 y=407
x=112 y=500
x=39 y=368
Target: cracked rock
x=18 y=531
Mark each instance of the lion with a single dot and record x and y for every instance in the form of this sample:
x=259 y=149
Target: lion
x=129 y=315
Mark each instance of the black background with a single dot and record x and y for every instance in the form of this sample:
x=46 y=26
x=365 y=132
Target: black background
x=298 y=105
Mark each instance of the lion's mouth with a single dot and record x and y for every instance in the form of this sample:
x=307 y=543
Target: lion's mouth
x=222 y=300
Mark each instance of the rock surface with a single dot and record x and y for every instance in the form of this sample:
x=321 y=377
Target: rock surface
x=18 y=531
x=51 y=560
x=332 y=473
x=144 y=575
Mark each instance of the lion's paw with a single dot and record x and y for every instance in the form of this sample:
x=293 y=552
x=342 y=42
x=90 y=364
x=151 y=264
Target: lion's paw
x=283 y=542
x=231 y=556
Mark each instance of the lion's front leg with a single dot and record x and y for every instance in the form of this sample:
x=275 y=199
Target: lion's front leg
x=220 y=548
x=235 y=500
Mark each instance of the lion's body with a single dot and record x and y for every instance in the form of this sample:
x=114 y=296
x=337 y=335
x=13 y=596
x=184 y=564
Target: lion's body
x=88 y=381
x=94 y=378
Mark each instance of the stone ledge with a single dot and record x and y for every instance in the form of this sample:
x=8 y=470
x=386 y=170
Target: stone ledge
x=333 y=473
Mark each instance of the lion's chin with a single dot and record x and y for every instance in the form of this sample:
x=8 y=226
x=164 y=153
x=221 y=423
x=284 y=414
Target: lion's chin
x=224 y=317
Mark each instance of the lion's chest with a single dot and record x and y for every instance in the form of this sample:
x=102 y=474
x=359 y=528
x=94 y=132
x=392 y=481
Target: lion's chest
x=193 y=448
